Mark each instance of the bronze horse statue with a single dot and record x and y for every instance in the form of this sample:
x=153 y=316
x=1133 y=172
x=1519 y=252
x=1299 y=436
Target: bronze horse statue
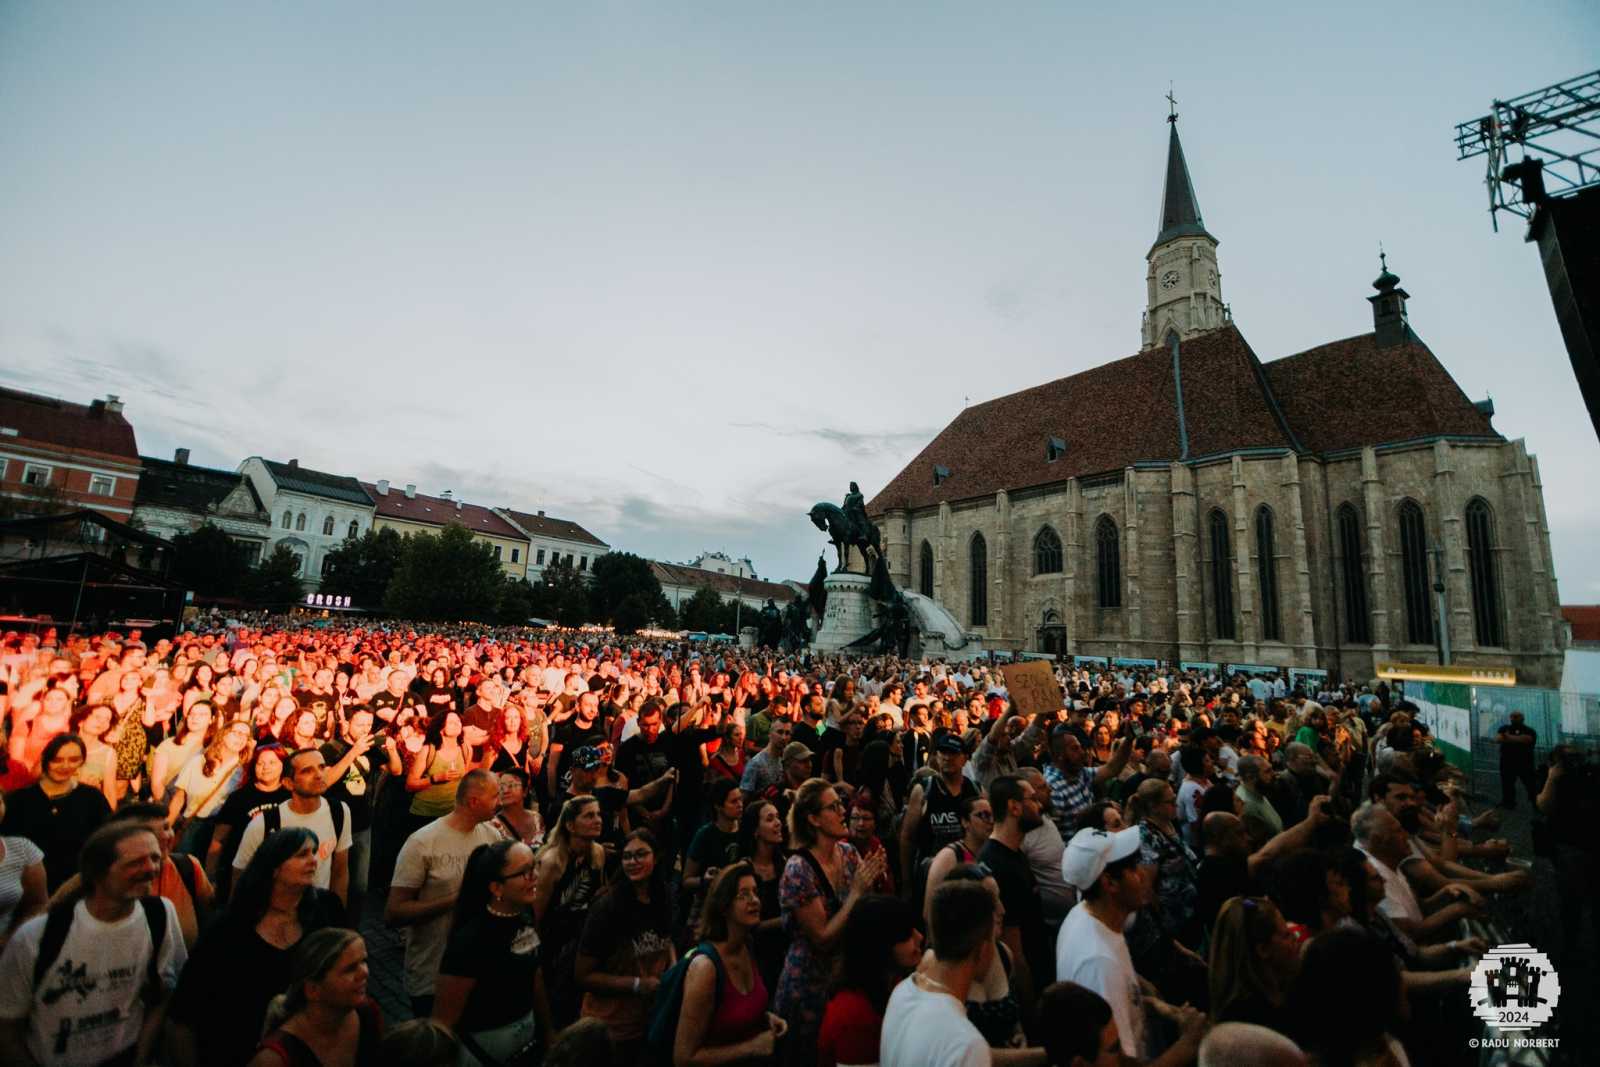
x=843 y=533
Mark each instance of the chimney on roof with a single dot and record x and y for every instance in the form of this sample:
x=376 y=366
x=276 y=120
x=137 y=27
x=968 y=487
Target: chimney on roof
x=541 y=514
x=181 y=457
x=411 y=492
x=460 y=504
x=383 y=487
x=113 y=403
x=446 y=495
x=294 y=464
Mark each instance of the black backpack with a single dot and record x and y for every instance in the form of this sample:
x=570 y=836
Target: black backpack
x=59 y=922
x=668 y=1009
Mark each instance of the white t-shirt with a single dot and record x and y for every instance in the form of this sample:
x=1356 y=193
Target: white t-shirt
x=88 y=1008
x=432 y=862
x=198 y=788
x=1399 y=901
x=1097 y=958
x=319 y=822
x=922 y=1028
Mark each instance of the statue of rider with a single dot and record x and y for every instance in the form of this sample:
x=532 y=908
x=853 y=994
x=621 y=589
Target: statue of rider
x=855 y=509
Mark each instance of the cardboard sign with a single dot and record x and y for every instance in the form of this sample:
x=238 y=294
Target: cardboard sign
x=1032 y=686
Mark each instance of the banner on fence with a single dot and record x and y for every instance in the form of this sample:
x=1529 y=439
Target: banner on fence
x=1446 y=708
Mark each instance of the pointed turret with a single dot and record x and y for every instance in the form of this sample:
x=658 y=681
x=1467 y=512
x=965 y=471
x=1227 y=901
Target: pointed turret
x=1180 y=211
x=1183 y=283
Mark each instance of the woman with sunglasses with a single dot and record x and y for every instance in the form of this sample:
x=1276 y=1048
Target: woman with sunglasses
x=490 y=988
x=626 y=945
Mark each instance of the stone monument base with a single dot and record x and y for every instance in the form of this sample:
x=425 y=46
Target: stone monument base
x=849 y=614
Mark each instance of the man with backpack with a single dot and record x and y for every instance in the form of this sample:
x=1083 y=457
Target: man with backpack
x=181 y=878
x=306 y=807
x=87 y=982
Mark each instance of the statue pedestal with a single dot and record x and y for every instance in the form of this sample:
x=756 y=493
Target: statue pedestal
x=849 y=614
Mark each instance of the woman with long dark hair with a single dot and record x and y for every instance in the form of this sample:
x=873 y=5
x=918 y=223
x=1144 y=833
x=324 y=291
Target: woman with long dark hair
x=437 y=769
x=881 y=946
x=724 y=1017
x=1254 y=957
x=1356 y=971
x=325 y=1017
x=490 y=990
x=626 y=946
x=761 y=837
x=245 y=957
x=571 y=873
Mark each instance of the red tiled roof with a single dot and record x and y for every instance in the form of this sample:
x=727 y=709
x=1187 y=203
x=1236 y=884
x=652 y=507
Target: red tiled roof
x=562 y=529
x=725 y=584
x=437 y=511
x=1352 y=393
x=1109 y=417
x=1584 y=620
x=48 y=421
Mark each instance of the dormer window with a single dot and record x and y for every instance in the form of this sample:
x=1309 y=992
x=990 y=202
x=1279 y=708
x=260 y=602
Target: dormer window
x=1054 y=449
x=940 y=474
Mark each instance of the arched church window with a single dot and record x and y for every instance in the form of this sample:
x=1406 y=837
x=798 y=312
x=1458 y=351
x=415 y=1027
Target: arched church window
x=1414 y=574
x=1108 y=563
x=1222 y=621
x=288 y=519
x=1357 y=624
x=978 y=595
x=327 y=526
x=1046 y=552
x=925 y=571
x=1485 y=580
x=1267 y=573
x=300 y=521
x=354 y=531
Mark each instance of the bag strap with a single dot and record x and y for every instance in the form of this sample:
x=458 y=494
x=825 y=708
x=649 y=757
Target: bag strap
x=822 y=876
x=271 y=821
x=56 y=926
x=222 y=781
x=186 y=865
x=155 y=916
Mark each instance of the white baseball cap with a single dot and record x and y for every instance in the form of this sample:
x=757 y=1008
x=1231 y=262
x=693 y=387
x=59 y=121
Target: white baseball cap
x=1091 y=851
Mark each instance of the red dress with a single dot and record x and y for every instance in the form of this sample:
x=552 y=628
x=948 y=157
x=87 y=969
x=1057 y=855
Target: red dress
x=851 y=1027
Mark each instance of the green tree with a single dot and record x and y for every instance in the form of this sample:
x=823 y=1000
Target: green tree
x=516 y=602
x=275 y=581
x=705 y=611
x=616 y=577
x=563 y=595
x=209 y=562
x=362 y=567
x=447 y=576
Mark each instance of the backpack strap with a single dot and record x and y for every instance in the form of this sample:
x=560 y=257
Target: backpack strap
x=56 y=926
x=187 y=867
x=271 y=821
x=155 y=916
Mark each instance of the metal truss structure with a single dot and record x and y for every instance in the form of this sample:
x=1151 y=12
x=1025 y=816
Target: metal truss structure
x=1557 y=129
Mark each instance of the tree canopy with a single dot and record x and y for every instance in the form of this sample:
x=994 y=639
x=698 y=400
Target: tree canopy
x=446 y=576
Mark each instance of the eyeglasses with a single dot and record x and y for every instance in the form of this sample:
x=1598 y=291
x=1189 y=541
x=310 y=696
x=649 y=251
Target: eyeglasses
x=638 y=857
x=520 y=872
x=985 y=816
x=837 y=805
x=747 y=894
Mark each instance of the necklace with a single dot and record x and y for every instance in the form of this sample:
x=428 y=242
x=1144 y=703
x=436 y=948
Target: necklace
x=497 y=913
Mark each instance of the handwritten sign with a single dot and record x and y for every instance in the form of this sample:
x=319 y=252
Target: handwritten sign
x=1032 y=686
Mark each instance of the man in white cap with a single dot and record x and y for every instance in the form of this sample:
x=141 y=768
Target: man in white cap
x=1091 y=949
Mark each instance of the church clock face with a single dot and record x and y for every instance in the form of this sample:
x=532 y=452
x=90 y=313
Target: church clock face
x=1169 y=280
x=1211 y=279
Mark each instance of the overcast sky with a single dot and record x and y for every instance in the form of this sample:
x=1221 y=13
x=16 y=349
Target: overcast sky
x=676 y=271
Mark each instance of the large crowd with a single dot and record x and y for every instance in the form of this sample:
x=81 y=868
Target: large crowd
x=627 y=850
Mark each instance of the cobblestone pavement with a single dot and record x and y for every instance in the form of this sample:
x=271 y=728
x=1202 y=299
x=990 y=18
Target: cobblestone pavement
x=386 y=965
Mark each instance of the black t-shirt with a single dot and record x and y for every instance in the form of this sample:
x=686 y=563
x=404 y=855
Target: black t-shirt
x=1019 y=893
x=1220 y=879
x=385 y=701
x=232 y=976
x=644 y=762
x=58 y=825
x=628 y=937
x=713 y=847
x=1517 y=754
x=359 y=784
x=571 y=737
x=503 y=955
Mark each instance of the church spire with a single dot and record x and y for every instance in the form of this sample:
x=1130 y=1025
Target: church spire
x=1183 y=283
x=1180 y=211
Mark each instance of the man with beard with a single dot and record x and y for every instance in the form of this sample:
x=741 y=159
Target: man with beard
x=1430 y=871
x=87 y=982
x=1016 y=811
x=580 y=729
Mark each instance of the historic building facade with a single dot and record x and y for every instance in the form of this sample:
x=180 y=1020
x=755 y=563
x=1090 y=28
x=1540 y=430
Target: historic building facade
x=1191 y=503
x=312 y=512
x=409 y=512
x=177 y=497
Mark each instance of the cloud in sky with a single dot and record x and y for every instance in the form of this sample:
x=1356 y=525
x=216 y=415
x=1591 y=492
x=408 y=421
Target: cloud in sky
x=677 y=278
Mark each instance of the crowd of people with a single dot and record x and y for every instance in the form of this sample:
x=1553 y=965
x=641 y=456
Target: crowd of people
x=629 y=850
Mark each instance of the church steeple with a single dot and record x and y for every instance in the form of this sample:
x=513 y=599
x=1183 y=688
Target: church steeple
x=1183 y=282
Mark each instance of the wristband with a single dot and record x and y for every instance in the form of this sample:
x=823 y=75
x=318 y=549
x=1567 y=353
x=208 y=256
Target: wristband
x=636 y=987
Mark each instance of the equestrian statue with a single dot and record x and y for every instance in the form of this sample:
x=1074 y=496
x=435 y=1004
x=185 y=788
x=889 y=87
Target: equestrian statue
x=848 y=527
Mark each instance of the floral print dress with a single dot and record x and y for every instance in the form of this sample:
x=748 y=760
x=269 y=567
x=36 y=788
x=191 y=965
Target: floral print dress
x=807 y=969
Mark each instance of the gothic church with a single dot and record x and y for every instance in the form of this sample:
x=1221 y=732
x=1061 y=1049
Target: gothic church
x=1193 y=504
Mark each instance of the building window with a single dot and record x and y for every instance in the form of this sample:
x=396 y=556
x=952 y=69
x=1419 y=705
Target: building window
x=288 y=520
x=1357 y=624
x=36 y=476
x=251 y=552
x=1046 y=552
x=1414 y=573
x=1054 y=449
x=496 y=551
x=539 y=559
x=101 y=485
x=354 y=531
x=300 y=521
x=327 y=565
x=1485 y=582
x=1267 y=573
x=327 y=526
x=926 y=576
x=978 y=595
x=1221 y=577
x=1108 y=563
x=583 y=563
x=516 y=555
x=940 y=474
